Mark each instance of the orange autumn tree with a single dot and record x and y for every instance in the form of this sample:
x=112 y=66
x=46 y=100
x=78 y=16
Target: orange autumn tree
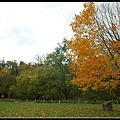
x=108 y=16
x=90 y=61
x=108 y=20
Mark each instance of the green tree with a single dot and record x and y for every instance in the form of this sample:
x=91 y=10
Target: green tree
x=59 y=60
x=20 y=89
x=6 y=81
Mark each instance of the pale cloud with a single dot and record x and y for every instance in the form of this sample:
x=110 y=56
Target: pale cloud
x=29 y=28
x=23 y=36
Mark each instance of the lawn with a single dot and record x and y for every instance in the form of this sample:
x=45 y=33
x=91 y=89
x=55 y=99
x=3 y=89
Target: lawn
x=50 y=110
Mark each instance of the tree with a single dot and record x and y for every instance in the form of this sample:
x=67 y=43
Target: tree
x=6 y=81
x=59 y=60
x=91 y=60
x=23 y=79
x=13 y=66
x=39 y=59
x=108 y=19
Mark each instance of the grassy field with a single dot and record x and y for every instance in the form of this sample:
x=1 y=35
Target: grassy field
x=50 y=110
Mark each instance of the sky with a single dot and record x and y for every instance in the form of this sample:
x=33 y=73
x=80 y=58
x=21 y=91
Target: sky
x=31 y=28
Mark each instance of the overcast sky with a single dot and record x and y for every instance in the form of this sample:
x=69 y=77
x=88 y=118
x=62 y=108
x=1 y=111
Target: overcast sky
x=31 y=28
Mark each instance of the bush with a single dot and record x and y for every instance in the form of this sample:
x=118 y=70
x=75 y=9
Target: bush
x=7 y=100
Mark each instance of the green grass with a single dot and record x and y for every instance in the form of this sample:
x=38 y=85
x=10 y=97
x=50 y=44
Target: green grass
x=44 y=110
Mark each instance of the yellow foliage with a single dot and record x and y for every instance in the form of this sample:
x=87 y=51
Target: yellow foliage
x=116 y=45
x=3 y=71
x=92 y=68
